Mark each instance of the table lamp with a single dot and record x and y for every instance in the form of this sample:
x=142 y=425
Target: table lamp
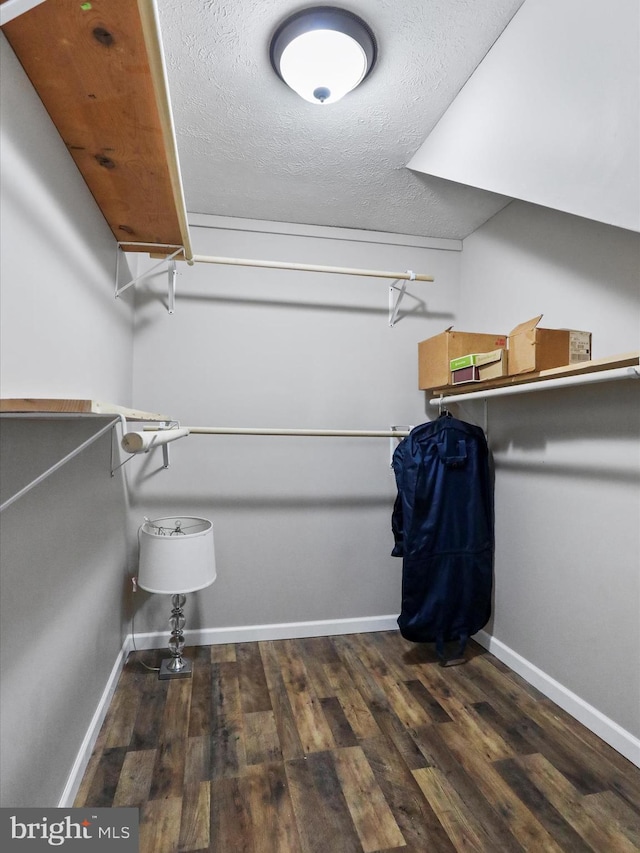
x=176 y=557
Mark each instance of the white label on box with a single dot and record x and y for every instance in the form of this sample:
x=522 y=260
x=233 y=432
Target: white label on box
x=579 y=346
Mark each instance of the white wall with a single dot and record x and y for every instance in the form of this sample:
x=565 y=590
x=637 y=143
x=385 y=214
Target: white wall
x=302 y=525
x=552 y=113
x=567 y=569
x=63 y=551
x=62 y=616
x=63 y=334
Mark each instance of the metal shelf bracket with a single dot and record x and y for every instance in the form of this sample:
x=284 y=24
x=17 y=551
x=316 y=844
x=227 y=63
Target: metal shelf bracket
x=171 y=273
x=394 y=301
x=402 y=431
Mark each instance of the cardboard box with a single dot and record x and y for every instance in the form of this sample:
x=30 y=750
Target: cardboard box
x=435 y=354
x=532 y=349
x=490 y=364
x=465 y=374
x=463 y=361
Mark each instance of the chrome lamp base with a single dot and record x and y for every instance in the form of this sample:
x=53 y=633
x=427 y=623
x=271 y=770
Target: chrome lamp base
x=176 y=666
x=166 y=670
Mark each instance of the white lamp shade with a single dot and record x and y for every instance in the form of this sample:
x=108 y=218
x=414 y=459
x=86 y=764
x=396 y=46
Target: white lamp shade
x=176 y=555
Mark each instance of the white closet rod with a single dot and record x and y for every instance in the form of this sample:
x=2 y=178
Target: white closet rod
x=284 y=265
x=542 y=385
x=407 y=275
x=348 y=433
x=150 y=437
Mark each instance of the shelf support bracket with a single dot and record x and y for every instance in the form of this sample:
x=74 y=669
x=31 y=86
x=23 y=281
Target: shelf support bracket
x=133 y=444
x=171 y=284
x=89 y=441
x=169 y=258
x=393 y=442
x=394 y=301
x=165 y=455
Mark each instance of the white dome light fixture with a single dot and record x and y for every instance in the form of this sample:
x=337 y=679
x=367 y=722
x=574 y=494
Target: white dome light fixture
x=323 y=53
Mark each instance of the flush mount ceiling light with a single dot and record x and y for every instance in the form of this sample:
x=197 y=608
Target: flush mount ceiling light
x=323 y=53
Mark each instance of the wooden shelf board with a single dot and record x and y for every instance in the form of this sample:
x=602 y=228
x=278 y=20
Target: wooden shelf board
x=629 y=359
x=91 y=68
x=74 y=407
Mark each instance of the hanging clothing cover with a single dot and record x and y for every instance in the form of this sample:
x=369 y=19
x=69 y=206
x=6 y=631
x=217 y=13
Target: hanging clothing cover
x=442 y=524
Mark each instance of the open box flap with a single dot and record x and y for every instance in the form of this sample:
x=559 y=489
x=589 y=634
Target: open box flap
x=526 y=326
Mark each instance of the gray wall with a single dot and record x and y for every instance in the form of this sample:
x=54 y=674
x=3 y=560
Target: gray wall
x=63 y=333
x=302 y=525
x=62 y=620
x=63 y=552
x=567 y=591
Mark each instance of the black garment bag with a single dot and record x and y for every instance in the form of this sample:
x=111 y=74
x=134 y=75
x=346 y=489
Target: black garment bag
x=443 y=529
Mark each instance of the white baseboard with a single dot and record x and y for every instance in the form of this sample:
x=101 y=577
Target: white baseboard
x=280 y=631
x=91 y=736
x=609 y=731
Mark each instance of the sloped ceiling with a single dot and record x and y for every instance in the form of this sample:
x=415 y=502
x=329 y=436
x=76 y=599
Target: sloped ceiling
x=249 y=147
x=471 y=103
x=552 y=114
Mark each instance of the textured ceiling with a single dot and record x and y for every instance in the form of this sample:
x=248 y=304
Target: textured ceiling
x=249 y=147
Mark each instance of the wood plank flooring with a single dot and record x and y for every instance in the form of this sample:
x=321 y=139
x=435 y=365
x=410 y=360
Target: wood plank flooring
x=355 y=744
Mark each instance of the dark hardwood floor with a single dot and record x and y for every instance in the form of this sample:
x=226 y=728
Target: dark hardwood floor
x=355 y=743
